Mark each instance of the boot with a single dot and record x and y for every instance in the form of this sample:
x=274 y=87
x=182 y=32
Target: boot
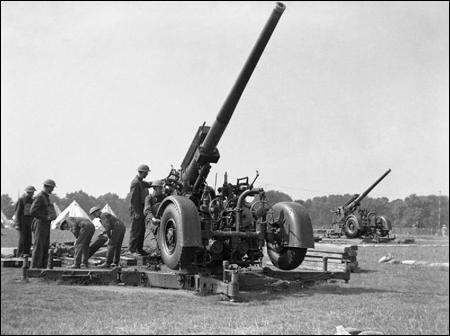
x=104 y=265
x=142 y=253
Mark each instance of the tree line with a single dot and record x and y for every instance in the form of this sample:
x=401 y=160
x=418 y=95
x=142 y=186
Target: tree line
x=413 y=211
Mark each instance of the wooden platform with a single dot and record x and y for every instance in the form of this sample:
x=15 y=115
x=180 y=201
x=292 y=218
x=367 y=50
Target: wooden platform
x=339 y=257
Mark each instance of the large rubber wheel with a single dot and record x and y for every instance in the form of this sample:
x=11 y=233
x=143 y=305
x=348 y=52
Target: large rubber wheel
x=173 y=254
x=351 y=227
x=384 y=225
x=285 y=258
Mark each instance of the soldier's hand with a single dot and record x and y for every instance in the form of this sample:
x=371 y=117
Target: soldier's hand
x=137 y=216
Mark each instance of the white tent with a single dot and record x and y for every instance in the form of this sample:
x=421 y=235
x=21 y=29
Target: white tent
x=6 y=223
x=108 y=209
x=57 y=209
x=73 y=210
x=96 y=221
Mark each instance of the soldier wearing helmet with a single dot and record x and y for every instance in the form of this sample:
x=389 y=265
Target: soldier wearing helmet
x=152 y=203
x=114 y=230
x=138 y=190
x=43 y=213
x=23 y=221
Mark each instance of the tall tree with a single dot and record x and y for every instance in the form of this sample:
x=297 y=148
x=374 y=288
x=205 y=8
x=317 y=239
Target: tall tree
x=7 y=205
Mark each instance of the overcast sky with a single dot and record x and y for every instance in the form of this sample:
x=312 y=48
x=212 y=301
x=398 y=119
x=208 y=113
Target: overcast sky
x=343 y=92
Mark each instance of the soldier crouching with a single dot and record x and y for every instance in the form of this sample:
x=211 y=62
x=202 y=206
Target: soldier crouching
x=115 y=231
x=83 y=230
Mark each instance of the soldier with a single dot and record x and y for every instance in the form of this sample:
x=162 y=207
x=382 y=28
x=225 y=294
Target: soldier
x=23 y=221
x=139 y=191
x=43 y=212
x=83 y=230
x=115 y=230
x=152 y=203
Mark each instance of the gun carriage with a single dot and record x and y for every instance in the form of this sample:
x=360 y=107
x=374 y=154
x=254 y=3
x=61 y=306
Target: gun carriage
x=354 y=221
x=199 y=228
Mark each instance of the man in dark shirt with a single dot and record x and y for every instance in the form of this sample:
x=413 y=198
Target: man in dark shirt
x=115 y=230
x=43 y=213
x=152 y=203
x=23 y=221
x=138 y=190
x=83 y=230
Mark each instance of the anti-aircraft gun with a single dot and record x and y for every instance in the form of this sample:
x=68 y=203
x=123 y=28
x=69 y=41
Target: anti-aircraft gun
x=201 y=229
x=356 y=222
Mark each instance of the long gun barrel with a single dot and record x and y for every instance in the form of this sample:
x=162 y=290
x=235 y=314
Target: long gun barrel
x=198 y=167
x=364 y=194
x=225 y=113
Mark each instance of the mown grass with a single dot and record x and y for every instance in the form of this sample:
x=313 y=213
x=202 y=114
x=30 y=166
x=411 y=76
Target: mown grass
x=395 y=299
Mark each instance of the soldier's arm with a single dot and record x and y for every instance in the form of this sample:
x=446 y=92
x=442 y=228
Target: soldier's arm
x=104 y=219
x=76 y=230
x=135 y=196
x=18 y=213
x=147 y=184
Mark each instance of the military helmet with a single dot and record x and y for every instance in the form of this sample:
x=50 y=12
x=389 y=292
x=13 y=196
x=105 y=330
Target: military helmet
x=157 y=183
x=93 y=209
x=50 y=183
x=143 y=168
x=30 y=189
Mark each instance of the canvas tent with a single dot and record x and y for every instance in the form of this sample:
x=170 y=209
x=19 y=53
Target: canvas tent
x=57 y=209
x=96 y=221
x=6 y=223
x=73 y=210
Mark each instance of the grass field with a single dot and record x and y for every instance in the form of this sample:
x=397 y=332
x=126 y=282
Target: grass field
x=394 y=299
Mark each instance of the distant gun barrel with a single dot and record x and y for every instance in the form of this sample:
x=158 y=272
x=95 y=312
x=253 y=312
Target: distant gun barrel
x=364 y=194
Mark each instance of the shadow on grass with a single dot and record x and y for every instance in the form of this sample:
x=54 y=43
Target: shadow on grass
x=270 y=294
x=260 y=296
x=360 y=270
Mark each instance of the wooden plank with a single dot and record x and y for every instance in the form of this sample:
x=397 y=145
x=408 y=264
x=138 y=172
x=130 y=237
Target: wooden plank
x=334 y=248
x=331 y=267
x=320 y=259
x=18 y=262
x=326 y=254
x=12 y=262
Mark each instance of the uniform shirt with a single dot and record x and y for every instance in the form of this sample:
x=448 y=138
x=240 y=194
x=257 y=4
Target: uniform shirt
x=152 y=203
x=23 y=207
x=110 y=223
x=78 y=223
x=138 y=191
x=40 y=207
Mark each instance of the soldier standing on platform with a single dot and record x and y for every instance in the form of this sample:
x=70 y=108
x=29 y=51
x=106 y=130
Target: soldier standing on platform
x=43 y=212
x=23 y=221
x=139 y=190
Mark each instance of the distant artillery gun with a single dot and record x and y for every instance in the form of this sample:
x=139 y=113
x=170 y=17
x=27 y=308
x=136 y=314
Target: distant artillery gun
x=355 y=222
